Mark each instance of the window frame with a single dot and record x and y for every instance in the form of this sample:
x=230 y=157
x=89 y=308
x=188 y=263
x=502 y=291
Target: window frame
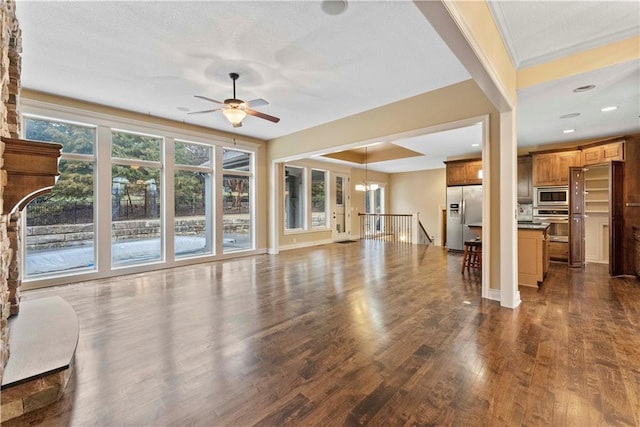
x=87 y=158
x=327 y=199
x=304 y=192
x=250 y=174
x=107 y=121
x=210 y=211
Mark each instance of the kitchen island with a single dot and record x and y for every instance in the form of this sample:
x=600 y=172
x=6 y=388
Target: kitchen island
x=533 y=253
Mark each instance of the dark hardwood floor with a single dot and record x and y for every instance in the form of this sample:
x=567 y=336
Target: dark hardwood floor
x=349 y=334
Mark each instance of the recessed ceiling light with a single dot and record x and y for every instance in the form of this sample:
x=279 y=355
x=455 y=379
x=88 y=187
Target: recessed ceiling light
x=568 y=131
x=610 y=108
x=334 y=7
x=584 y=88
x=569 y=116
x=475 y=145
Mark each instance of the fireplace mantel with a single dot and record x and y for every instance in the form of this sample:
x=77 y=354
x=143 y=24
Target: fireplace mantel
x=31 y=169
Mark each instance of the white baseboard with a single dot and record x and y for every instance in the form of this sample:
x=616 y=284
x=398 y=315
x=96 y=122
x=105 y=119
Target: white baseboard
x=305 y=244
x=494 y=294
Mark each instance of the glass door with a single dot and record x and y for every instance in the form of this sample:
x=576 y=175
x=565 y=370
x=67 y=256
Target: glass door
x=340 y=208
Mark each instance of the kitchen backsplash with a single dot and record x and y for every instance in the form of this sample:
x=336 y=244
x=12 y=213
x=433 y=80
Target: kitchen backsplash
x=525 y=212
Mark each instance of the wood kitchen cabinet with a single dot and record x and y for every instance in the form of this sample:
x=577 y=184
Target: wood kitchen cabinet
x=576 y=217
x=533 y=255
x=603 y=153
x=525 y=183
x=463 y=172
x=551 y=169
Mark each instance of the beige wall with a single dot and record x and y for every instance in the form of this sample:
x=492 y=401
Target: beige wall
x=357 y=197
x=294 y=239
x=424 y=192
x=449 y=104
x=453 y=103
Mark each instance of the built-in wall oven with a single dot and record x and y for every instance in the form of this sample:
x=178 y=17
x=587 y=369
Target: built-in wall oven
x=551 y=204
x=558 y=217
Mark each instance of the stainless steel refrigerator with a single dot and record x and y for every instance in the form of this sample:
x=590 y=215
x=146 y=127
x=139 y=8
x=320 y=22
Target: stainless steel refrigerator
x=464 y=206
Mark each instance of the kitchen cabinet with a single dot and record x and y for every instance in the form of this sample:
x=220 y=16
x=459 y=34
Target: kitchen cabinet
x=525 y=183
x=636 y=258
x=577 y=217
x=551 y=169
x=603 y=153
x=533 y=255
x=463 y=172
x=559 y=251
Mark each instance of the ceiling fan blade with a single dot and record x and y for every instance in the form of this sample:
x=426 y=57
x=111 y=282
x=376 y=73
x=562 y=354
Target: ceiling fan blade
x=256 y=103
x=208 y=99
x=263 y=116
x=205 y=111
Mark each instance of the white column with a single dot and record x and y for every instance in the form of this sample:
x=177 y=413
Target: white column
x=509 y=293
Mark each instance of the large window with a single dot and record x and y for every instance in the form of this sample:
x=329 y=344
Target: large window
x=136 y=229
x=192 y=197
x=237 y=200
x=319 y=205
x=60 y=235
x=132 y=196
x=294 y=198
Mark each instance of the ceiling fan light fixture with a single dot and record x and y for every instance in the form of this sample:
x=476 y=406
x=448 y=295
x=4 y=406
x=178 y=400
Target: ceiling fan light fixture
x=235 y=115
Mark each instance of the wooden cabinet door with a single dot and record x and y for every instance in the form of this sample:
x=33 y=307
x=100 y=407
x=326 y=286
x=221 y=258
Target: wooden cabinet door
x=576 y=217
x=565 y=160
x=456 y=173
x=592 y=156
x=613 y=151
x=543 y=170
x=525 y=186
x=463 y=172
x=473 y=172
x=616 y=218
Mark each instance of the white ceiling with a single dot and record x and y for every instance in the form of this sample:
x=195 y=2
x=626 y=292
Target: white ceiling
x=313 y=68
x=540 y=31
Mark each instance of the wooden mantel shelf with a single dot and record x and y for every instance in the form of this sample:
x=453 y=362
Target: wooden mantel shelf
x=31 y=169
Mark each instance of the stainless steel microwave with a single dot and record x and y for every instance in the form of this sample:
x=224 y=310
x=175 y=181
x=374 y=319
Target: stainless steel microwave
x=552 y=196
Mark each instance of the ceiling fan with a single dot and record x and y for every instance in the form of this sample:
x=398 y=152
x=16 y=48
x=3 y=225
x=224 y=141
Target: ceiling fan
x=235 y=110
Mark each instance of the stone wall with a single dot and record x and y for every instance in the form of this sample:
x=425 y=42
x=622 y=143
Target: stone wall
x=47 y=237
x=10 y=48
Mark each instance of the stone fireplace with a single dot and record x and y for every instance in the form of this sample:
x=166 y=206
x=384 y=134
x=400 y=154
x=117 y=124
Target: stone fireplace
x=37 y=338
x=10 y=43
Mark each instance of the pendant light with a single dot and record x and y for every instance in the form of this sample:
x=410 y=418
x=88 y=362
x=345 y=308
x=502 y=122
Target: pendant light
x=365 y=186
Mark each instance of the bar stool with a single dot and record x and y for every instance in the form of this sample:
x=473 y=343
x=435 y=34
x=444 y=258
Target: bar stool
x=472 y=257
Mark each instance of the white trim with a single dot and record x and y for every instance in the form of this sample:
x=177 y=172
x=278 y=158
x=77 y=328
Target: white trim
x=273 y=222
x=305 y=244
x=494 y=294
x=486 y=207
x=508 y=212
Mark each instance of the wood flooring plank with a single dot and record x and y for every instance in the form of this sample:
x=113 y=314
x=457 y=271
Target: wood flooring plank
x=370 y=333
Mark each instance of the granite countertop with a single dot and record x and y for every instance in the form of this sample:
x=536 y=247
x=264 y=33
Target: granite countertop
x=522 y=225
x=533 y=225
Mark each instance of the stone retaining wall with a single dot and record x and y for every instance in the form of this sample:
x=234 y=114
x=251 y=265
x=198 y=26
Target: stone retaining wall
x=69 y=235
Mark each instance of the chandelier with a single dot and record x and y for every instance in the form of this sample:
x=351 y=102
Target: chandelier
x=365 y=186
